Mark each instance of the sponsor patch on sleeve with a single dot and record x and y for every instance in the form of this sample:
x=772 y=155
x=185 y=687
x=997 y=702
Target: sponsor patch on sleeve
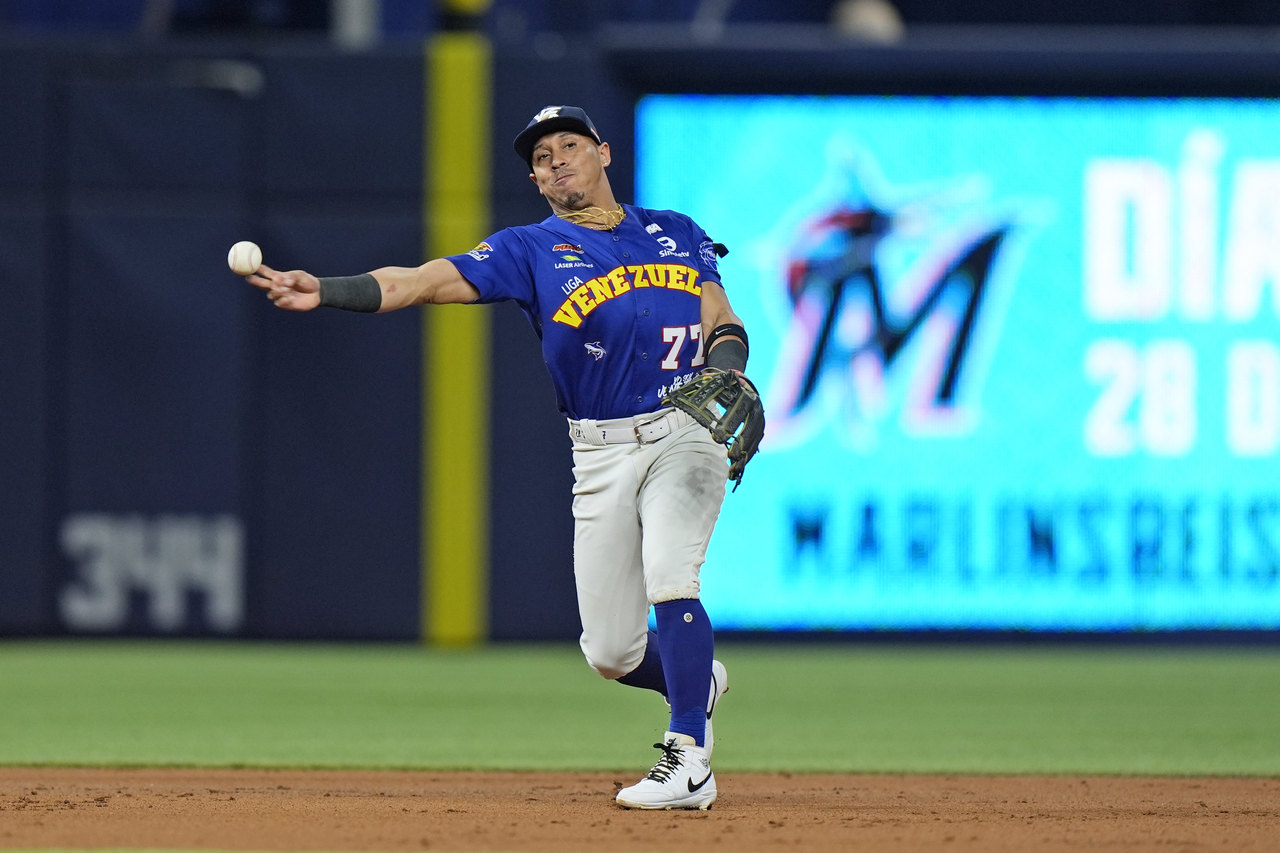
x=481 y=252
x=707 y=252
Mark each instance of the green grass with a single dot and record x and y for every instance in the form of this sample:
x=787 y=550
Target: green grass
x=844 y=708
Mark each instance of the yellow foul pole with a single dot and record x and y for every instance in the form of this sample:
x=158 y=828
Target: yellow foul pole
x=455 y=451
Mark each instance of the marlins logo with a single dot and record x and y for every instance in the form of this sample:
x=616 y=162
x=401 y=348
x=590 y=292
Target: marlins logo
x=864 y=339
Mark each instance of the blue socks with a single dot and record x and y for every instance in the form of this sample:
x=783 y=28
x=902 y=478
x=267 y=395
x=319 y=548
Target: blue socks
x=686 y=646
x=649 y=673
x=677 y=664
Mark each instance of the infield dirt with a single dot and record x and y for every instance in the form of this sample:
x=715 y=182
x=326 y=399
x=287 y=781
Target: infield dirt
x=575 y=812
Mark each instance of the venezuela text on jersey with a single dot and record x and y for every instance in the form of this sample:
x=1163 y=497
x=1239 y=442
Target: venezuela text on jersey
x=590 y=294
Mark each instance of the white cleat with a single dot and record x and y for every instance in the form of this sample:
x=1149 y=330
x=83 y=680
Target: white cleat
x=682 y=778
x=719 y=687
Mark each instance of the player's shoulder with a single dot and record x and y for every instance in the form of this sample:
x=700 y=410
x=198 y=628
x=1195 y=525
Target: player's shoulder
x=687 y=232
x=672 y=224
x=514 y=238
x=665 y=218
x=679 y=224
x=517 y=233
x=549 y=237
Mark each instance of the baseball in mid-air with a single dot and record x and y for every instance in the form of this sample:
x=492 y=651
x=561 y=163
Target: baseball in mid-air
x=244 y=258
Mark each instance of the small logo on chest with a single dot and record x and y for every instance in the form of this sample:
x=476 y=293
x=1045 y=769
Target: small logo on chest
x=595 y=350
x=669 y=248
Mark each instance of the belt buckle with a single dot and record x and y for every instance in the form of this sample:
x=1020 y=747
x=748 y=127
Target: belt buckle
x=636 y=429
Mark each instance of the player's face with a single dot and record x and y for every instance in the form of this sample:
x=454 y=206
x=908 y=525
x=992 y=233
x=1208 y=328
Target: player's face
x=569 y=169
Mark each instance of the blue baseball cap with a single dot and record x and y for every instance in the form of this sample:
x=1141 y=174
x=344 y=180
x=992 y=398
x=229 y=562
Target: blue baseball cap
x=551 y=120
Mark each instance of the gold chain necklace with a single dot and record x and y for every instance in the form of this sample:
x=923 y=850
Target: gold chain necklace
x=596 y=217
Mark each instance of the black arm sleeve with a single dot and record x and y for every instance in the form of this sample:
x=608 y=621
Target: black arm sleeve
x=351 y=293
x=729 y=355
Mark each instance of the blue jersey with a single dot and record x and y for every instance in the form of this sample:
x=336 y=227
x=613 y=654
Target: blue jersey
x=618 y=312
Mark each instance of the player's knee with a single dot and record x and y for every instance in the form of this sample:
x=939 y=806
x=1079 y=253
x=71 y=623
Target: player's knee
x=611 y=672
x=612 y=662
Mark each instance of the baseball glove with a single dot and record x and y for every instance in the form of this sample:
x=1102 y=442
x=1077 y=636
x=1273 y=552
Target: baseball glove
x=729 y=406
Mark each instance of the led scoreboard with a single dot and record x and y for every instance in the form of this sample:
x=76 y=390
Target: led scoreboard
x=1020 y=356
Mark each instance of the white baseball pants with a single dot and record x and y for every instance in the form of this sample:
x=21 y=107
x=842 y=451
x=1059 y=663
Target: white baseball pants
x=643 y=515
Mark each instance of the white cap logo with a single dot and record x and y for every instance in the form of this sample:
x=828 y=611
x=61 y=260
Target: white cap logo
x=549 y=112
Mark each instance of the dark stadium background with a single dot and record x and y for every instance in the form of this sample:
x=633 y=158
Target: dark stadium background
x=142 y=383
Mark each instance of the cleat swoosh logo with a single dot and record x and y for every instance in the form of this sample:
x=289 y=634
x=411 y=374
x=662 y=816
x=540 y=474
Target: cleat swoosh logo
x=694 y=788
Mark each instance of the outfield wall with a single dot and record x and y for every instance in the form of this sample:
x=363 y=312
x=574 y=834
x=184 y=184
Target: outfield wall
x=180 y=460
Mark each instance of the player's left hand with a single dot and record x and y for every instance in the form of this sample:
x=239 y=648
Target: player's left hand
x=727 y=404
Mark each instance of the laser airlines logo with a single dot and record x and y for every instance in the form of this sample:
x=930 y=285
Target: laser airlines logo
x=896 y=298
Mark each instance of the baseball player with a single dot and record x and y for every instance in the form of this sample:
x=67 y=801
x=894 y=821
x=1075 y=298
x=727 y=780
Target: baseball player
x=628 y=305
